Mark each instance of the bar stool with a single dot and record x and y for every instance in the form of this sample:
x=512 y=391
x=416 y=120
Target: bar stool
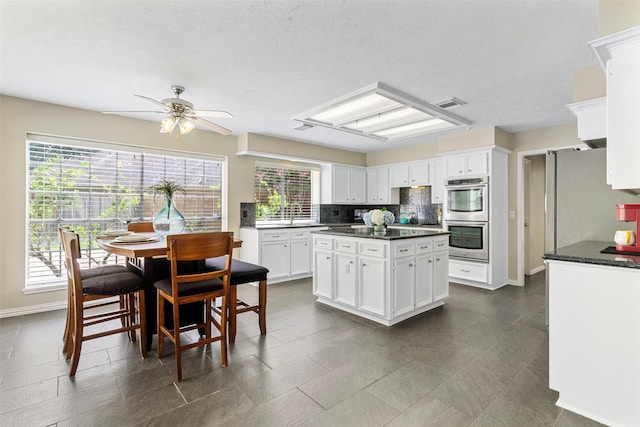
x=244 y=272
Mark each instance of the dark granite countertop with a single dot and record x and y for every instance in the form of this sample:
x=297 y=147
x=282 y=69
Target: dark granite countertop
x=588 y=252
x=389 y=233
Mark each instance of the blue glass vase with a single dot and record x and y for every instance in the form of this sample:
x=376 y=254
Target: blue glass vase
x=169 y=220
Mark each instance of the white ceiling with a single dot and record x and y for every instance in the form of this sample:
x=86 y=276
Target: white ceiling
x=512 y=61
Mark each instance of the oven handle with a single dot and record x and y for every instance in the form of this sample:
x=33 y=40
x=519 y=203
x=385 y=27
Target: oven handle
x=466 y=187
x=467 y=223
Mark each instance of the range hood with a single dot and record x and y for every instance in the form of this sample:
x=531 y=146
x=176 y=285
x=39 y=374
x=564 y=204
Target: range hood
x=592 y=121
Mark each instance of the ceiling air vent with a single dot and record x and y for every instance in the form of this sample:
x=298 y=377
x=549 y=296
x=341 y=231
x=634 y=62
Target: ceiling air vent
x=449 y=103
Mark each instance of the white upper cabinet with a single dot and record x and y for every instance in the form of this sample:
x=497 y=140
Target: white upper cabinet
x=472 y=164
x=409 y=174
x=619 y=54
x=436 y=170
x=343 y=184
x=592 y=118
x=378 y=185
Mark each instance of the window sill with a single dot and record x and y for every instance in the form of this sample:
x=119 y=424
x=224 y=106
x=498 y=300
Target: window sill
x=46 y=288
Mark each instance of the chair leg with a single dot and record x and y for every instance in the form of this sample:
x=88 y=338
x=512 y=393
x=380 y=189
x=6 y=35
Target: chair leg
x=176 y=337
x=142 y=316
x=160 y=323
x=223 y=329
x=77 y=333
x=131 y=309
x=262 y=303
x=232 y=304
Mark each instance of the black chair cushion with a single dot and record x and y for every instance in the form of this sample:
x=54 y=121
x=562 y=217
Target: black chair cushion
x=191 y=288
x=101 y=271
x=113 y=284
x=241 y=272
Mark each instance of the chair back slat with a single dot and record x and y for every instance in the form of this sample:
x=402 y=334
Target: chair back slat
x=141 y=227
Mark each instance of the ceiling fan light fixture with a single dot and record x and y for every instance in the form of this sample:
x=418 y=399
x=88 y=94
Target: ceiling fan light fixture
x=185 y=125
x=167 y=125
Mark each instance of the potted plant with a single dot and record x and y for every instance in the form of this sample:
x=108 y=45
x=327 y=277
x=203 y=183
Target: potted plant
x=169 y=220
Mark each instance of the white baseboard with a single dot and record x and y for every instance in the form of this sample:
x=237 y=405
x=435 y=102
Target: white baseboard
x=535 y=270
x=33 y=309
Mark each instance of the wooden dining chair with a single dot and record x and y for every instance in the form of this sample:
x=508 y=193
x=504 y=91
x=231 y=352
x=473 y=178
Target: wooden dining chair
x=188 y=285
x=97 y=292
x=85 y=274
x=141 y=227
x=243 y=272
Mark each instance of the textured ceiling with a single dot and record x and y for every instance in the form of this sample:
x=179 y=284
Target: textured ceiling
x=512 y=62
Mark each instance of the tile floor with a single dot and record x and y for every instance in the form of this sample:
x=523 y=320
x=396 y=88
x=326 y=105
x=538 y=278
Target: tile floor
x=480 y=360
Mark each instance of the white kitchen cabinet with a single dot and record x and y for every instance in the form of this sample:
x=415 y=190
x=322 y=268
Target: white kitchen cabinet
x=286 y=252
x=437 y=179
x=372 y=285
x=378 y=185
x=472 y=164
x=276 y=257
x=591 y=117
x=619 y=54
x=323 y=273
x=425 y=281
x=440 y=275
x=404 y=277
x=409 y=174
x=343 y=184
x=346 y=278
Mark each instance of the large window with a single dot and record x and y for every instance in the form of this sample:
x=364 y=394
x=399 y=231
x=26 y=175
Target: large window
x=286 y=193
x=93 y=188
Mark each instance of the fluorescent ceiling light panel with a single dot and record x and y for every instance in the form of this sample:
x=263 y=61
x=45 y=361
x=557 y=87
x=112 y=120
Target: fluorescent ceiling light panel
x=380 y=112
x=389 y=119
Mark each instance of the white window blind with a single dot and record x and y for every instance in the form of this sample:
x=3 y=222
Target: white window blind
x=94 y=188
x=286 y=193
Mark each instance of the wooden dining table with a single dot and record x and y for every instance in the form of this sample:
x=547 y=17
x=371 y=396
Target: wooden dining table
x=148 y=259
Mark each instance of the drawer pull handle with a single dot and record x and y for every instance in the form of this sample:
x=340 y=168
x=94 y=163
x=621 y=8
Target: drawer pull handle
x=440 y=245
x=465 y=271
x=429 y=261
x=410 y=265
x=346 y=246
x=437 y=259
x=372 y=250
x=328 y=257
x=275 y=237
x=404 y=250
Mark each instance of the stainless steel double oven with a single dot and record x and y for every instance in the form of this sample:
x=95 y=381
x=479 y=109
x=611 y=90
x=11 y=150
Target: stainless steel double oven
x=467 y=218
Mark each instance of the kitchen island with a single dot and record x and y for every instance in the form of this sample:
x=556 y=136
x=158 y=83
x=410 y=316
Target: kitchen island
x=386 y=276
x=594 y=332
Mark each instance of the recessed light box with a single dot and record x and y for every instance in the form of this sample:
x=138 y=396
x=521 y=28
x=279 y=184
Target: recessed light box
x=383 y=113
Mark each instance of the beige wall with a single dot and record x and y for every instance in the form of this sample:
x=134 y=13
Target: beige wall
x=618 y=15
x=19 y=116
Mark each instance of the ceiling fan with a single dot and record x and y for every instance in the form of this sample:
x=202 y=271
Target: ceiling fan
x=182 y=116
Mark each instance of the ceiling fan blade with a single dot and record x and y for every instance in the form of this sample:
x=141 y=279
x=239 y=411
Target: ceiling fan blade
x=125 y=112
x=213 y=113
x=154 y=101
x=212 y=126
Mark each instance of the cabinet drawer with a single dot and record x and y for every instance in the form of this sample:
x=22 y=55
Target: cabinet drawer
x=323 y=242
x=441 y=243
x=347 y=246
x=372 y=249
x=469 y=271
x=300 y=234
x=424 y=247
x=275 y=236
x=403 y=249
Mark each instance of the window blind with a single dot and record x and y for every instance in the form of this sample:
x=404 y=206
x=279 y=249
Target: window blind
x=286 y=193
x=94 y=188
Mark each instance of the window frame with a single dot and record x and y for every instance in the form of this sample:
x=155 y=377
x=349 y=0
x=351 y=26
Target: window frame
x=40 y=282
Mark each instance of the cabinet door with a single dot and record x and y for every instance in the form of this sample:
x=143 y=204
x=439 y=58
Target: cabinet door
x=436 y=170
x=623 y=110
x=300 y=257
x=455 y=166
x=372 y=276
x=383 y=186
x=275 y=256
x=440 y=275
x=323 y=274
x=477 y=164
x=358 y=186
x=372 y=186
x=403 y=286
x=346 y=279
x=340 y=184
x=399 y=176
x=424 y=280
x=420 y=173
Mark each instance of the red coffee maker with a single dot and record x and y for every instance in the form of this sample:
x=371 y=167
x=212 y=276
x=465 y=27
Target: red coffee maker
x=630 y=213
